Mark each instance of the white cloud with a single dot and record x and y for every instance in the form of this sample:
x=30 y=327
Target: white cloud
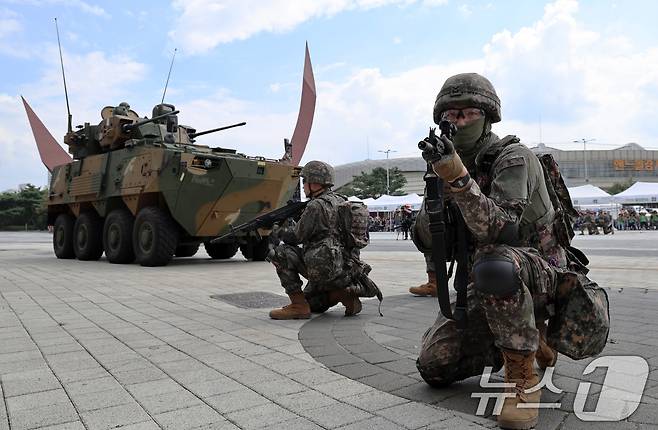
x=465 y=10
x=205 y=24
x=94 y=81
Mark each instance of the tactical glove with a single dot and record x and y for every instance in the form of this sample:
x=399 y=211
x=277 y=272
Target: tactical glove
x=446 y=162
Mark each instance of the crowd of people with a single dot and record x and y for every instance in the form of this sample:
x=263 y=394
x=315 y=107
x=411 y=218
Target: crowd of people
x=627 y=219
x=400 y=222
x=637 y=220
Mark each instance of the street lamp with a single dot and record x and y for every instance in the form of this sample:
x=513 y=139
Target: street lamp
x=584 y=155
x=388 y=151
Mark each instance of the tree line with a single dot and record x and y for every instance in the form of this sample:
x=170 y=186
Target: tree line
x=373 y=184
x=24 y=209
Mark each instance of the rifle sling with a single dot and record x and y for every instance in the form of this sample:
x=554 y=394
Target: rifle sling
x=434 y=208
x=461 y=276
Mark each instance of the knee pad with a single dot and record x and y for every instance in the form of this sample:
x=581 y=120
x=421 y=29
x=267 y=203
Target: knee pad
x=496 y=277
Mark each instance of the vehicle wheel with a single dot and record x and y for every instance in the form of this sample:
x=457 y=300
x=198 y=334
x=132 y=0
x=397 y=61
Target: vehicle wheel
x=221 y=251
x=187 y=250
x=63 y=236
x=155 y=237
x=256 y=251
x=88 y=236
x=117 y=237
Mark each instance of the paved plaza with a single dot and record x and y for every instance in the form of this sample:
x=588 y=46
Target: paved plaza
x=92 y=345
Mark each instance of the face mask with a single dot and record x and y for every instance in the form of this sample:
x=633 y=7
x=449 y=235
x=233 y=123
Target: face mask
x=467 y=137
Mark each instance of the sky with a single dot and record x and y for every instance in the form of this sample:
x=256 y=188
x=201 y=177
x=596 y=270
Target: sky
x=565 y=70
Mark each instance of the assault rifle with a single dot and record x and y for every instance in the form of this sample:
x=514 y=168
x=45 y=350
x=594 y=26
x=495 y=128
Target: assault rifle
x=438 y=213
x=291 y=210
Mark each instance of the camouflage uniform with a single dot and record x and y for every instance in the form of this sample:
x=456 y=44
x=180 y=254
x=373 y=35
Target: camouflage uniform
x=334 y=270
x=320 y=259
x=516 y=264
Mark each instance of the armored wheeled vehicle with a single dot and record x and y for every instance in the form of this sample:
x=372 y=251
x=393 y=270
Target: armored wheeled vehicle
x=142 y=189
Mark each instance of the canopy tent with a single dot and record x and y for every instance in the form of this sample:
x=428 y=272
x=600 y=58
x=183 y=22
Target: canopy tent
x=639 y=192
x=387 y=203
x=589 y=195
x=354 y=199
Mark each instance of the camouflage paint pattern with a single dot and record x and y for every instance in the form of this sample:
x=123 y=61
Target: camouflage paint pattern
x=448 y=355
x=320 y=257
x=205 y=190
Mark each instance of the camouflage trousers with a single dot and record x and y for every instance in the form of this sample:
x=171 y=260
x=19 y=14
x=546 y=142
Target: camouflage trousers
x=494 y=323
x=323 y=267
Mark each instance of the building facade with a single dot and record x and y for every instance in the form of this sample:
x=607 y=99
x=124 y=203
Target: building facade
x=602 y=168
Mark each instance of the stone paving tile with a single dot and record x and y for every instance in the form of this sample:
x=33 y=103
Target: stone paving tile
x=335 y=415
x=16 y=384
x=357 y=370
x=138 y=376
x=114 y=416
x=35 y=400
x=277 y=387
x=304 y=400
x=101 y=399
x=74 y=425
x=374 y=400
x=296 y=424
x=43 y=416
x=188 y=418
x=414 y=415
x=375 y=423
x=342 y=388
x=87 y=386
x=214 y=387
x=144 y=389
x=261 y=416
x=165 y=402
x=236 y=401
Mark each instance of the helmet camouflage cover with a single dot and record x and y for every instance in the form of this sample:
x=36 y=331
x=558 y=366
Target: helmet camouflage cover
x=318 y=172
x=466 y=90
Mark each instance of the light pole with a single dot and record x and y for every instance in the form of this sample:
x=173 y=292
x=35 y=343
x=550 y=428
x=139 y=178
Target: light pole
x=388 y=185
x=584 y=155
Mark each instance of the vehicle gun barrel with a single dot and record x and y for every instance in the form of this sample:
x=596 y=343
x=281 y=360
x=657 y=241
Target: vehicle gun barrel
x=127 y=128
x=201 y=133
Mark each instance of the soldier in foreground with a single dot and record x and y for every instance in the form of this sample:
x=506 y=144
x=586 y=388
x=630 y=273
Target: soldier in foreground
x=328 y=256
x=525 y=291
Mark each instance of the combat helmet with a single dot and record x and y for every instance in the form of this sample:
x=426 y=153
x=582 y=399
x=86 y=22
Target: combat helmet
x=464 y=90
x=318 y=172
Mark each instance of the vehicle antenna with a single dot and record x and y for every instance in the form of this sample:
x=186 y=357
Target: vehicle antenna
x=169 y=74
x=66 y=93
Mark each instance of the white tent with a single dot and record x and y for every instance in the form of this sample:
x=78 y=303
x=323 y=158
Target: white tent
x=589 y=195
x=354 y=199
x=387 y=203
x=639 y=192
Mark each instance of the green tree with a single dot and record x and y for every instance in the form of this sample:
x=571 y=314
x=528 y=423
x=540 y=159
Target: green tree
x=618 y=187
x=24 y=207
x=373 y=184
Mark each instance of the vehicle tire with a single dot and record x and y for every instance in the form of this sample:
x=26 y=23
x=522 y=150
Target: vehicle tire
x=221 y=251
x=155 y=237
x=88 y=237
x=187 y=250
x=257 y=251
x=117 y=237
x=63 y=236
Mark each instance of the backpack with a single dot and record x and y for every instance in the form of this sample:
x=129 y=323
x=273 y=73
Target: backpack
x=352 y=222
x=565 y=214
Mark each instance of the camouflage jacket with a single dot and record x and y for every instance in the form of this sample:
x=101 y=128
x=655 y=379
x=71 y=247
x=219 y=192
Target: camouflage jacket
x=317 y=224
x=508 y=202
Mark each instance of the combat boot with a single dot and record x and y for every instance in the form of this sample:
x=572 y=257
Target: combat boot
x=296 y=310
x=519 y=369
x=349 y=300
x=545 y=355
x=426 y=289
